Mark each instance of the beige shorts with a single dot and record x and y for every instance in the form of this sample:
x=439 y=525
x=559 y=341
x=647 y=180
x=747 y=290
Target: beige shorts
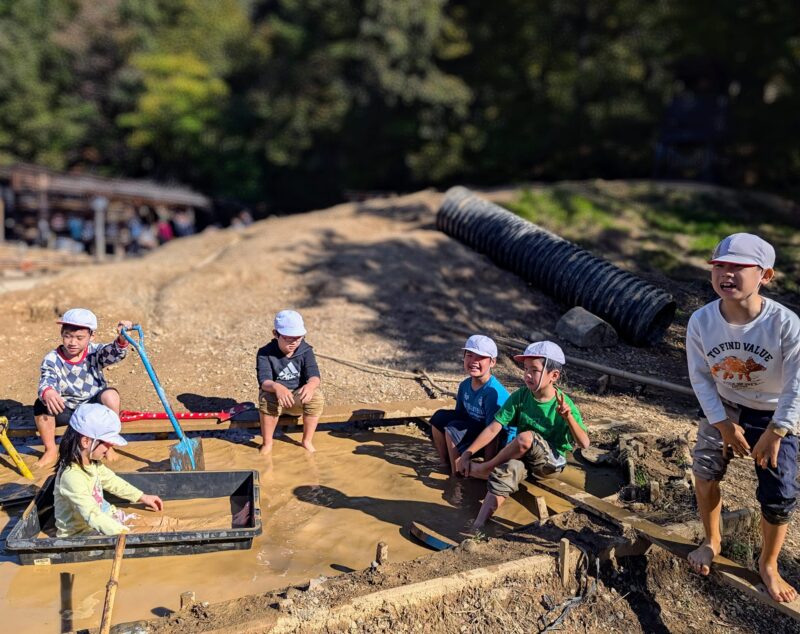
x=268 y=404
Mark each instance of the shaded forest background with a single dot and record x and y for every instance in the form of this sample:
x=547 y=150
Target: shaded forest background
x=294 y=102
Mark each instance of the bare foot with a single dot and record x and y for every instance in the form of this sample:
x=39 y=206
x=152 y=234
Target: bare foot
x=47 y=459
x=478 y=470
x=701 y=557
x=308 y=446
x=776 y=585
x=266 y=448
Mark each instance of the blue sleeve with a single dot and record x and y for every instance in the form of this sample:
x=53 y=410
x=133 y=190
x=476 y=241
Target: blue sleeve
x=460 y=397
x=496 y=395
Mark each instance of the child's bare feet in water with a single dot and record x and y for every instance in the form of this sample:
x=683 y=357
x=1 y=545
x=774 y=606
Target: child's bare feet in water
x=701 y=557
x=266 y=448
x=776 y=585
x=47 y=459
x=308 y=446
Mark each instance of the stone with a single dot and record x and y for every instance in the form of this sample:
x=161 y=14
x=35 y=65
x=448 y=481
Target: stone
x=585 y=330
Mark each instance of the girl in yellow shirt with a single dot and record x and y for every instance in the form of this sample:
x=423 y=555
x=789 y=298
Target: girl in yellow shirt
x=82 y=478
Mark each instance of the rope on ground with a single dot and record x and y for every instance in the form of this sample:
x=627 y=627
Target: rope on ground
x=420 y=375
x=567 y=606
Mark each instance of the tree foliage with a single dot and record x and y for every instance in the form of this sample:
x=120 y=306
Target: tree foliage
x=296 y=101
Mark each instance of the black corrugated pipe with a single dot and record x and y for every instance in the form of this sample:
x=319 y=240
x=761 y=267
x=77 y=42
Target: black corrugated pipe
x=639 y=311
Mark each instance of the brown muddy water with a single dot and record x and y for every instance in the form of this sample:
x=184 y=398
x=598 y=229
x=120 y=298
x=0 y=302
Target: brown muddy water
x=322 y=514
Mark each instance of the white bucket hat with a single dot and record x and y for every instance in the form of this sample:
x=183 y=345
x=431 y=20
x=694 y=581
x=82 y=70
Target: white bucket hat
x=745 y=249
x=98 y=422
x=290 y=324
x=80 y=317
x=543 y=350
x=481 y=345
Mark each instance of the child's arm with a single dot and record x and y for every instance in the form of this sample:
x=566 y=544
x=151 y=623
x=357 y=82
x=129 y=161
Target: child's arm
x=267 y=383
x=123 y=489
x=765 y=451
x=48 y=386
x=306 y=391
x=73 y=487
x=309 y=371
x=707 y=395
x=484 y=438
x=565 y=411
x=117 y=350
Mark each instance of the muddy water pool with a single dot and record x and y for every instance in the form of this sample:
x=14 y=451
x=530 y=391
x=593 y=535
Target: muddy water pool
x=322 y=514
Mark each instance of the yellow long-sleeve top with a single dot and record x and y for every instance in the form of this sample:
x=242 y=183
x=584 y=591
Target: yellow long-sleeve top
x=79 y=503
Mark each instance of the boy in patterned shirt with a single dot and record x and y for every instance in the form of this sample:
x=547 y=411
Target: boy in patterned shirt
x=72 y=374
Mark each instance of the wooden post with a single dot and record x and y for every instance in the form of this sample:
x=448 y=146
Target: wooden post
x=111 y=587
x=99 y=206
x=382 y=553
x=541 y=508
x=66 y=581
x=563 y=561
x=187 y=600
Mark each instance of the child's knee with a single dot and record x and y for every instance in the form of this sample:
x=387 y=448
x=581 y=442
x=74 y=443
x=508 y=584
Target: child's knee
x=504 y=480
x=524 y=440
x=110 y=398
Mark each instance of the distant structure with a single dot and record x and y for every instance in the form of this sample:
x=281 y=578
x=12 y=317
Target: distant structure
x=76 y=212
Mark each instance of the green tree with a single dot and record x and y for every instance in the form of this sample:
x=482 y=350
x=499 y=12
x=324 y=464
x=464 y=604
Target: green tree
x=42 y=119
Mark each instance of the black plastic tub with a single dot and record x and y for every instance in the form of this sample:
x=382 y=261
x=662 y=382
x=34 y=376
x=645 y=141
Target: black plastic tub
x=241 y=487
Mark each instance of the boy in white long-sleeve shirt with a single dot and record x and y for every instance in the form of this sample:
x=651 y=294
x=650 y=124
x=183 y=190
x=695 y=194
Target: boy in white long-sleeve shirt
x=743 y=352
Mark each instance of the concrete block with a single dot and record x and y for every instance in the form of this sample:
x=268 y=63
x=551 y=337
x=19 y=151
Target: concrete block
x=585 y=330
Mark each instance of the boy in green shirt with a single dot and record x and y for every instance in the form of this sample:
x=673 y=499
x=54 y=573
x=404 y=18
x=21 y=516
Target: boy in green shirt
x=548 y=424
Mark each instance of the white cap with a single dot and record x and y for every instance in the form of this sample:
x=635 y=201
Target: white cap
x=543 y=350
x=481 y=345
x=746 y=249
x=98 y=422
x=81 y=317
x=289 y=323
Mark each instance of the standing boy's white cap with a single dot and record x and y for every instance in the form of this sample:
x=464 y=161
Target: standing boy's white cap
x=746 y=249
x=98 y=422
x=481 y=345
x=81 y=317
x=543 y=350
x=290 y=324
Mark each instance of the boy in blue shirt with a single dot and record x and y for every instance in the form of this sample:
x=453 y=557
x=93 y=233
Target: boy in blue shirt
x=479 y=397
x=548 y=423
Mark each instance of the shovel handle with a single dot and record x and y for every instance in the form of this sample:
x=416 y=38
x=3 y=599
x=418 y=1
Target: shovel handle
x=139 y=346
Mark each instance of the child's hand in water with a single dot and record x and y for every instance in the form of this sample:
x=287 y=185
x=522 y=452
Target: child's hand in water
x=153 y=502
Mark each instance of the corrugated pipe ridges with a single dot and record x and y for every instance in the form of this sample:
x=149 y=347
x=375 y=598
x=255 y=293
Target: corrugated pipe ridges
x=639 y=311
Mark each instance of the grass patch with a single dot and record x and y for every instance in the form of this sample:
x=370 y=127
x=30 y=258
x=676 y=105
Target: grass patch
x=641 y=477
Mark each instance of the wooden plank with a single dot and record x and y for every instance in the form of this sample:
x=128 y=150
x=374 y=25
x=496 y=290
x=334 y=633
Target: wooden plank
x=332 y=414
x=731 y=573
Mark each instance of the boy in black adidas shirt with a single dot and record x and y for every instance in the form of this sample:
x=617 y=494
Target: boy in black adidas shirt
x=288 y=380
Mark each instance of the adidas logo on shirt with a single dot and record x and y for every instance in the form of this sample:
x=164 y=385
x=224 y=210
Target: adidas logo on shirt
x=289 y=373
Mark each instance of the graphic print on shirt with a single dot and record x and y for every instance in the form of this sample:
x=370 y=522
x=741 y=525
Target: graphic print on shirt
x=475 y=410
x=738 y=370
x=97 y=494
x=289 y=373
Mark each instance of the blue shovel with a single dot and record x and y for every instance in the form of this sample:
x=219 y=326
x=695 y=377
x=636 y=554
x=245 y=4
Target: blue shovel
x=187 y=455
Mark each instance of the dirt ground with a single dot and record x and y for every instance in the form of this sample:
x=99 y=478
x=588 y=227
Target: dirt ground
x=378 y=284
